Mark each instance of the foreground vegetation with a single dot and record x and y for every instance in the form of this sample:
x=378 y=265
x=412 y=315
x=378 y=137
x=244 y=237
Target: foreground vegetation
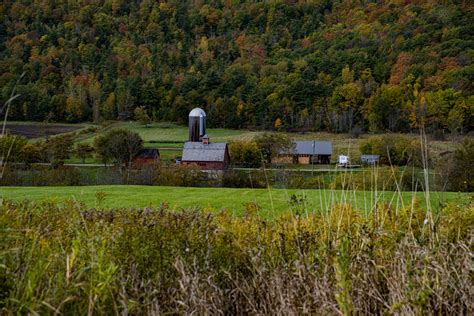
x=74 y=260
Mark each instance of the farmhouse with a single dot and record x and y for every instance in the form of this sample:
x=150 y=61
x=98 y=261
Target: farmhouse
x=199 y=150
x=307 y=152
x=147 y=156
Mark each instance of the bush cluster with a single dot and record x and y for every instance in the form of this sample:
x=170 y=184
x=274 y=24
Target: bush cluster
x=58 y=175
x=15 y=148
x=181 y=175
x=262 y=149
x=382 y=178
x=245 y=153
x=456 y=172
x=394 y=149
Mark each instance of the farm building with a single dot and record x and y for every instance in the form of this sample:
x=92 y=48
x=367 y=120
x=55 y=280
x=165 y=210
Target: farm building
x=369 y=159
x=206 y=155
x=307 y=152
x=147 y=156
x=199 y=150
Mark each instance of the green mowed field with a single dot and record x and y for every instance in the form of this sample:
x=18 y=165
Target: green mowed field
x=272 y=202
x=170 y=132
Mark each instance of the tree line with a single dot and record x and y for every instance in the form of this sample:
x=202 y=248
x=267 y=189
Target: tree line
x=306 y=65
x=117 y=146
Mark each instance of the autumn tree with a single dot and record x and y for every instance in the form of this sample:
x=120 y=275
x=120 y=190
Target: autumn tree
x=11 y=148
x=272 y=144
x=142 y=116
x=119 y=146
x=385 y=109
x=245 y=152
x=58 y=148
x=83 y=151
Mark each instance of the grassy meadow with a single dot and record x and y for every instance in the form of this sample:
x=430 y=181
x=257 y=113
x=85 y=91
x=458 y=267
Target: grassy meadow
x=271 y=202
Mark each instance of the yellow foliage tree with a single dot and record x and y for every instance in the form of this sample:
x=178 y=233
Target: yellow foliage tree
x=277 y=124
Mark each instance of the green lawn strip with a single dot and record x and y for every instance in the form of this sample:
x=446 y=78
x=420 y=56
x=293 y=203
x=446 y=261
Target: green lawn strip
x=170 y=155
x=272 y=202
x=89 y=160
x=164 y=145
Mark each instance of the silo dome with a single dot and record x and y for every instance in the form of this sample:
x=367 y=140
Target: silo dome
x=197 y=124
x=197 y=112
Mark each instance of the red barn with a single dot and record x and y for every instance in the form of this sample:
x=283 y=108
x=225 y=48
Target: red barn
x=147 y=156
x=199 y=150
x=206 y=155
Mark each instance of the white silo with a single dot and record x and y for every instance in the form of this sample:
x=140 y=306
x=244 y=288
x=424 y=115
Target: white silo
x=197 y=124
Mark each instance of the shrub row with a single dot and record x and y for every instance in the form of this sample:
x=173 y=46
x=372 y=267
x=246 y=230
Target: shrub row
x=382 y=178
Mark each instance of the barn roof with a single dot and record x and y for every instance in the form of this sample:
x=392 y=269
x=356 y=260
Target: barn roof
x=305 y=147
x=197 y=151
x=148 y=153
x=369 y=156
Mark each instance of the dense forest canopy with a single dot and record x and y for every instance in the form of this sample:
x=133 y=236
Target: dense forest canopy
x=321 y=65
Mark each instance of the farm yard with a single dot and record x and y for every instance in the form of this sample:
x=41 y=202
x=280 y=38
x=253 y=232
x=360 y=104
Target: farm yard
x=245 y=166
x=169 y=138
x=169 y=135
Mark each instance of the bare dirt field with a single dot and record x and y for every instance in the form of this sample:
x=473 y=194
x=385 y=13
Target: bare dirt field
x=37 y=130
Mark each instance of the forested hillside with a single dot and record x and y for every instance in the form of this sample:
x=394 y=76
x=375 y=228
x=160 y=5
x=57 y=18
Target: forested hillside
x=321 y=65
